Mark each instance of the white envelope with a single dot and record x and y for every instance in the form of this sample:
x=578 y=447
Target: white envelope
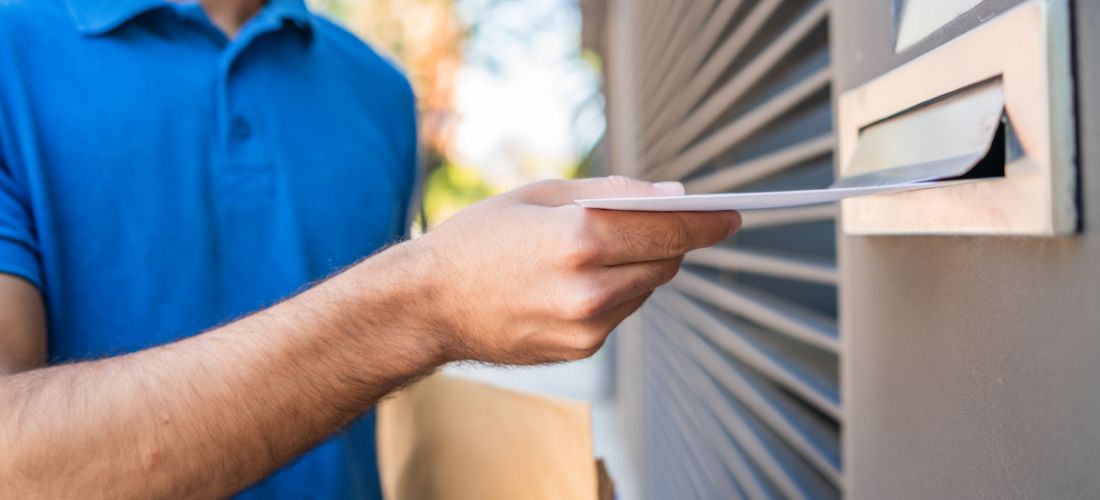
x=752 y=201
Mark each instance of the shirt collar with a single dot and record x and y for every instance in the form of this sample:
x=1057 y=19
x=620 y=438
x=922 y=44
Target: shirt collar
x=96 y=17
x=100 y=16
x=292 y=10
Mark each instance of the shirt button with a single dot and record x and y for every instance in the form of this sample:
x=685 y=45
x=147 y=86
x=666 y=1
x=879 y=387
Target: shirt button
x=240 y=129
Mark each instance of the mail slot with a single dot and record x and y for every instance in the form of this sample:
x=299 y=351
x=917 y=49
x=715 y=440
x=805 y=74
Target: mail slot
x=970 y=109
x=960 y=136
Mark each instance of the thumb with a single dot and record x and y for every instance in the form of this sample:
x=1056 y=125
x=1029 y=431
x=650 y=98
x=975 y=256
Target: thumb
x=558 y=193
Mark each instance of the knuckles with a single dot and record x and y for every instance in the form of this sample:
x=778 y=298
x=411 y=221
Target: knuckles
x=586 y=343
x=619 y=184
x=582 y=246
x=585 y=304
x=666 y=270
x=583 y=252
x=585 y=353
x=676 y=240
x=543 y=186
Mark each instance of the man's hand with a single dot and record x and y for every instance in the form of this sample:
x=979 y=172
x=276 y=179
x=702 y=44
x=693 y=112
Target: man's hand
x=530 y=277
x=526 y=277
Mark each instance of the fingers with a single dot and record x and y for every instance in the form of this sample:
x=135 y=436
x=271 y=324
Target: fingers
x=556 y=193
x=588 y=338
x=611 y=319
x=598 y=291
x=629 y=288
x=622 y=284
x=629 y=237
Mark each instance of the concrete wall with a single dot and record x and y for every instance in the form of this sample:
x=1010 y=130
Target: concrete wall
x=971 y=365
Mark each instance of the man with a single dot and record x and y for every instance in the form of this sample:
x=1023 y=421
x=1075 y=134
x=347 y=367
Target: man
x=166 y=168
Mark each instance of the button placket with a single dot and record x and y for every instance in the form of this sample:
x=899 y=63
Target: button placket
x=239 y=129
x=247 y=166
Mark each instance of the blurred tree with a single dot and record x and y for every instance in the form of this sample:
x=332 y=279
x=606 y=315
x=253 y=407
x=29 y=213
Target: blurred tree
x=431 y=40
x=452 y=187
x=425 y=37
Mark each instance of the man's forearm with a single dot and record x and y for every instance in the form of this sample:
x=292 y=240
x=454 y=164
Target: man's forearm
x=523 y=278
x=209 y=415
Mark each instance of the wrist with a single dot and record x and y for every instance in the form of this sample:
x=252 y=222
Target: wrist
x=393 y=295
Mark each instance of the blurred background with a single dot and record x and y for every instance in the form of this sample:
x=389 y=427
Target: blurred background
x=507 y=96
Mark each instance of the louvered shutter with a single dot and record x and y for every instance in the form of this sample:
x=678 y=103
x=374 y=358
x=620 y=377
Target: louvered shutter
x=728 y=379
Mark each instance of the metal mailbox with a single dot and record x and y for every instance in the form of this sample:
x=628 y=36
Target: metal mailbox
x=995 y=102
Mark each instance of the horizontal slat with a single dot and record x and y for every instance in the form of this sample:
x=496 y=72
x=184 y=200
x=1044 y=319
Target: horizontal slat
x=696 y=433
x=714 y=67
x=668 y=485
x=817 y=390
x=690 y=463
x=784 y=317
x=656 y=40
x=799 y=429
x=649 y=19
x=757 y=219
x=734 y=459
x=685 y=66
x=794 y=478
x=694 y=16
x=657 y=63
x=743 y=127
x=737 y=175
x=664 y=439
x=729 y=93
x=771 y=264
x=756 y=449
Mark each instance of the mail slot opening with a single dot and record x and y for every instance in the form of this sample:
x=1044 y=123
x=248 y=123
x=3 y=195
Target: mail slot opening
x=964 y=135
x=993 y=163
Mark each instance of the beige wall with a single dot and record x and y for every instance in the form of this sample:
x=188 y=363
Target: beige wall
x=970 y=364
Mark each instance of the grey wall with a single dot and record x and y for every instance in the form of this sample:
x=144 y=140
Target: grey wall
x=971 y=365
x=863 y=36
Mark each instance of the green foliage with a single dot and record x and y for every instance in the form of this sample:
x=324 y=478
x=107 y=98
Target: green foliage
x=450 y=188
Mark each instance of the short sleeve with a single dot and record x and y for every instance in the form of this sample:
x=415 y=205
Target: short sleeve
x=18 y=244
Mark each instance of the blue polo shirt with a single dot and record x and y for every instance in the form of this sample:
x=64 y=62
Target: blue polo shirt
x=157 y=179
